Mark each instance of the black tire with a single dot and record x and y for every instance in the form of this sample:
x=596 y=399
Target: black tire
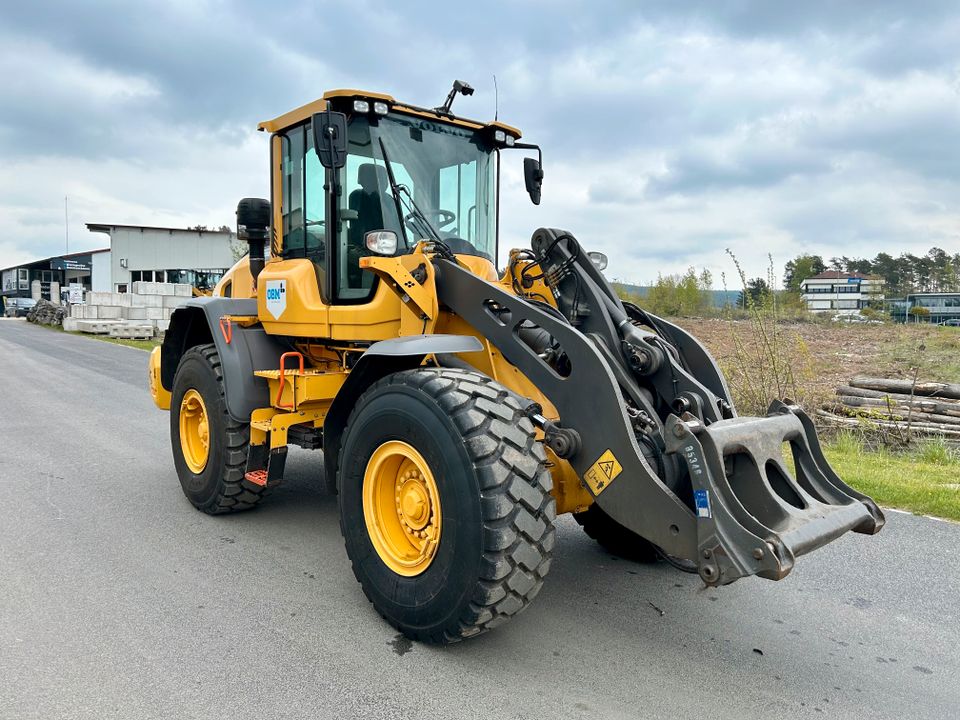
x=220 y=487
x=614 y=537
x=496 y=506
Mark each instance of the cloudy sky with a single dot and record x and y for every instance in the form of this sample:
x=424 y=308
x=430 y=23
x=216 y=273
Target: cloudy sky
x=670 y=132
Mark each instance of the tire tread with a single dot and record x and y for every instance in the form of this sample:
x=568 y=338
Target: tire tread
x=516 y=504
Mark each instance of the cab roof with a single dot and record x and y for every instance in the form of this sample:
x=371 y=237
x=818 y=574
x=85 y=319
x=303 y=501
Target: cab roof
x=304 y=112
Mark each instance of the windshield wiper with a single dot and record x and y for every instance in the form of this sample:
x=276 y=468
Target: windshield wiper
x=396 y=189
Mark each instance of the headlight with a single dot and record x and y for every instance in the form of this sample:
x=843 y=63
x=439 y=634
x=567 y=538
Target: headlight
x=361 y=106
x=381 y=242
x=598 y=259
x=499 y=136
x=380 y=108
x=510 y=140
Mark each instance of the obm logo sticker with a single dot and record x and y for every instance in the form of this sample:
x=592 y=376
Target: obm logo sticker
x=276 y=297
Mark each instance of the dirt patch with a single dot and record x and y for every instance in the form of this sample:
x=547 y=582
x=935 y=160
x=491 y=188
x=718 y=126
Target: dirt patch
x=829 y=354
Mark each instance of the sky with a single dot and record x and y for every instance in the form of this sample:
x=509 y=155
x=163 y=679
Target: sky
x=671 y=131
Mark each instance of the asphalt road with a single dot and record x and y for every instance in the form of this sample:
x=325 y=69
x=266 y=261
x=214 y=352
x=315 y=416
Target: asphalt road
x=119 y=600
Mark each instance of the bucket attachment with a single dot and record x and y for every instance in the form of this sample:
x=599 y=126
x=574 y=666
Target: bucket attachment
x=755 y=516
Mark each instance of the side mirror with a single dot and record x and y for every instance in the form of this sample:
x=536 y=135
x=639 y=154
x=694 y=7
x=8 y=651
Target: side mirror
x=330 y=138
x=533 y=176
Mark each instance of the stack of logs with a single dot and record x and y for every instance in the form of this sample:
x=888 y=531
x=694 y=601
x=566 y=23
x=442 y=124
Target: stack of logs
x=903 y=406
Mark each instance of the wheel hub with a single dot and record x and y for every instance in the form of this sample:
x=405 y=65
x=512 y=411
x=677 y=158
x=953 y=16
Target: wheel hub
x=413 y=501
x=401 y=508
x=194 y=431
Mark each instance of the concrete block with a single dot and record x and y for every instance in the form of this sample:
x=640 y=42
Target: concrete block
x=90 y=312
x=96 y=327
x=76 y=312
x=155 y=313
x=165 y=288
x=121 y=299
x=162 y=325
x=109 y=312
x=134 y=313
x=132 y=331
x=174 y=301
x=142 y=287
x=146 y=301
x=184 y=290
x=71 y=324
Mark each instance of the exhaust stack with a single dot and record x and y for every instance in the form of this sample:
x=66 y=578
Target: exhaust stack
x=253 y=223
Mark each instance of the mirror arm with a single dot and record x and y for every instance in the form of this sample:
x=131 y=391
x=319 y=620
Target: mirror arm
x=526 y=146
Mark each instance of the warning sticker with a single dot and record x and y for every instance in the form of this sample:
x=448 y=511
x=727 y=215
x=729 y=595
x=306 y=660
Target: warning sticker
x=602 y=472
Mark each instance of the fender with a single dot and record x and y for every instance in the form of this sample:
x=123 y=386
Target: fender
x=381 y=359
x=248 y=349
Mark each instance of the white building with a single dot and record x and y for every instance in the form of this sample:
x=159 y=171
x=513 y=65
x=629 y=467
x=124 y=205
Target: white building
x=158 y=254
x=841 y=293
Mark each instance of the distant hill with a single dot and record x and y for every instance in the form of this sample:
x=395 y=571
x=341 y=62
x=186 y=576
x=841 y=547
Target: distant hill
x=721 y=298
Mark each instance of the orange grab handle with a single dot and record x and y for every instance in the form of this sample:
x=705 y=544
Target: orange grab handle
x=226 y=327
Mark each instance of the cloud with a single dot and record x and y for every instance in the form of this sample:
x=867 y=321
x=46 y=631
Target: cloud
x=670 y=132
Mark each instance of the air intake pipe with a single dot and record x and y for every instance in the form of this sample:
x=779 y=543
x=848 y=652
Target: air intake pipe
x=253 y=226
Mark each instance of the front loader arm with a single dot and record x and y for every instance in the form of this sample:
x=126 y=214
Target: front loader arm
x=660 y=447
x=588 y=400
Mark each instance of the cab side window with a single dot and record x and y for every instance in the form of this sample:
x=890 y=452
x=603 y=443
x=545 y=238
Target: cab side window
x=303 y=200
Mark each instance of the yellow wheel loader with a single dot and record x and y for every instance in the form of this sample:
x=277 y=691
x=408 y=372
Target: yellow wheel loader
x=459 y=408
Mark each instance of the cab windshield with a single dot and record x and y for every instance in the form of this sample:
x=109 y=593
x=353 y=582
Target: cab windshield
x=448 y=171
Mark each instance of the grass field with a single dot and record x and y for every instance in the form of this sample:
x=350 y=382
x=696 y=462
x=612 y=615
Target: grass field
x=147 y=345
x=925 y=480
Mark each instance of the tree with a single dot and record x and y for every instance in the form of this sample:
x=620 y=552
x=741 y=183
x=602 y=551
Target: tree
x=686 y=294
x=801 y=268
x=755 y=294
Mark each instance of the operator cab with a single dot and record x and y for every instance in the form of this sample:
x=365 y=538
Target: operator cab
x=418 y=173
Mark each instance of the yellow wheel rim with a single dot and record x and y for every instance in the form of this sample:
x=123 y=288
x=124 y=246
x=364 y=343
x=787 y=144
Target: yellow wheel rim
x=194 y=431
x=401 y=507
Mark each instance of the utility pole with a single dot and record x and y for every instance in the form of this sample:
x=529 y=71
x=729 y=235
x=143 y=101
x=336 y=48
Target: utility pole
x=66 y=224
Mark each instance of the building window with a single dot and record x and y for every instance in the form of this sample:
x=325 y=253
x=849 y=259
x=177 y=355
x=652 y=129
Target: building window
x=121 y=287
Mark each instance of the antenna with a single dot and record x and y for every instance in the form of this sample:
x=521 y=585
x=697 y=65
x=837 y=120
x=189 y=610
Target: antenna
x=66 y=224
x=496 y=99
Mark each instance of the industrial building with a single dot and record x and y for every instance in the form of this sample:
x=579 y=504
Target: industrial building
x=46 y=278
x=842 y=293
x=937 y=308
x=168 y=255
